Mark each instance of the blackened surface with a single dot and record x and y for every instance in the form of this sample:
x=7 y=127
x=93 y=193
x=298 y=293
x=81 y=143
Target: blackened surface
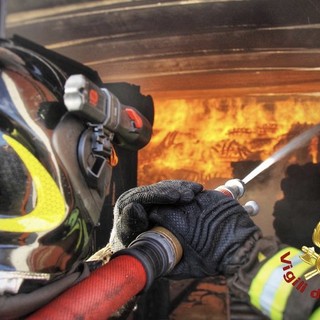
x=298 y=212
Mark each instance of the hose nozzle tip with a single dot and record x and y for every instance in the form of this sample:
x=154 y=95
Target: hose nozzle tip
x=237 y=187
x=252 y=208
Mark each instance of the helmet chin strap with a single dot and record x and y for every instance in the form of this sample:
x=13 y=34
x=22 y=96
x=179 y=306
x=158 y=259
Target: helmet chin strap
x=11 y=281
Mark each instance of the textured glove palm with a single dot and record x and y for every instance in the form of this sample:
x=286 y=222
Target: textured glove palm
x=132 y=209
x=211 y=229
x=210 y=226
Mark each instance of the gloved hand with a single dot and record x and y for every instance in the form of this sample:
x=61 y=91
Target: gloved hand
x=210 y=229
x=131 y=212
x=210 y=226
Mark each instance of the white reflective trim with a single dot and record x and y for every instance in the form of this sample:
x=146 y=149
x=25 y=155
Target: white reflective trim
x=272 y=285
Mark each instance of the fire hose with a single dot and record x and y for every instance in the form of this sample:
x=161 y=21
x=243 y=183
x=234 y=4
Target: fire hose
x=111 y=286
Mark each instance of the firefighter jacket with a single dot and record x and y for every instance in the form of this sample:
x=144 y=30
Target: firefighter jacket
x=282 y=282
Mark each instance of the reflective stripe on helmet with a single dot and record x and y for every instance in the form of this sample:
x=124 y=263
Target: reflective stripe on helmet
x=50 y=209
x=269 y=292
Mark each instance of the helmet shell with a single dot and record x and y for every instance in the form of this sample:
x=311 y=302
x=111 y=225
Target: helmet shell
x=47 y=210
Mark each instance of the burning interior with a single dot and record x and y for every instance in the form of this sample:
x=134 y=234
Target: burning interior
x=212 y=139
x=216 y=139
x=233 y=82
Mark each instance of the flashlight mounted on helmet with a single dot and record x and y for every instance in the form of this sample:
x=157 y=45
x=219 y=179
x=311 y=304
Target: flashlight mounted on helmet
x=108 y=121
x=127 y=127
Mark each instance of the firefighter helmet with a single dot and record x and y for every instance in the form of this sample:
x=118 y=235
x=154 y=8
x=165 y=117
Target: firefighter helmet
x=47 y=209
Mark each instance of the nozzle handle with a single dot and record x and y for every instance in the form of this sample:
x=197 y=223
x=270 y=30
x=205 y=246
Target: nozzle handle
x=252 y=208
x=233 y=188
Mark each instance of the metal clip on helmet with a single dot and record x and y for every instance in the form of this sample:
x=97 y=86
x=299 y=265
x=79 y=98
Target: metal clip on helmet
x=47 y=209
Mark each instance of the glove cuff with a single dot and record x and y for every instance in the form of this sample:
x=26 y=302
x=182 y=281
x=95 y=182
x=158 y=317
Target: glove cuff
x=242 y=255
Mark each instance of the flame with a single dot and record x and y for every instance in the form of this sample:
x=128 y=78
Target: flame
x=199 y=139
x=314 y=147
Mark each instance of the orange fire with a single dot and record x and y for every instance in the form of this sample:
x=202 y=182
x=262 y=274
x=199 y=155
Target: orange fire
x=200 y=139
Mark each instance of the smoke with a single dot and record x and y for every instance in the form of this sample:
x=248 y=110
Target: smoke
x=294 y=144
x=266 y=190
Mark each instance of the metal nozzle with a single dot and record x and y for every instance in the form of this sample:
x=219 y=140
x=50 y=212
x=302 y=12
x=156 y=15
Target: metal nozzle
x=252 y=208
x=174 y=244
x=236 y=187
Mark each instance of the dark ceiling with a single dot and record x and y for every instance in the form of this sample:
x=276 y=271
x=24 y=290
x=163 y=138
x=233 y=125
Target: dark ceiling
x=183 y=48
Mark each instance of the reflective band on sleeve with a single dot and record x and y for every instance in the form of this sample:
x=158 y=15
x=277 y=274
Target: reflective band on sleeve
x=269 y=292
x=315 y=315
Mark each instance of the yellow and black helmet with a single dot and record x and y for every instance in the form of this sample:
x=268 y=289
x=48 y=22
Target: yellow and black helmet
x=47 y=209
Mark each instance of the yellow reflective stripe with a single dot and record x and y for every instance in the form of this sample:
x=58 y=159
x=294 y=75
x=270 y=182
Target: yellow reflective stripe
x=50 y=209
x=285 y=288
x=315 y=315
x=263 y=275
x=262 y=281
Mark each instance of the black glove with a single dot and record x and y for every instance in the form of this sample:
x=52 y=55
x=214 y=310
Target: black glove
x=131 y=212
x=210 y=229
x=210 y=226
